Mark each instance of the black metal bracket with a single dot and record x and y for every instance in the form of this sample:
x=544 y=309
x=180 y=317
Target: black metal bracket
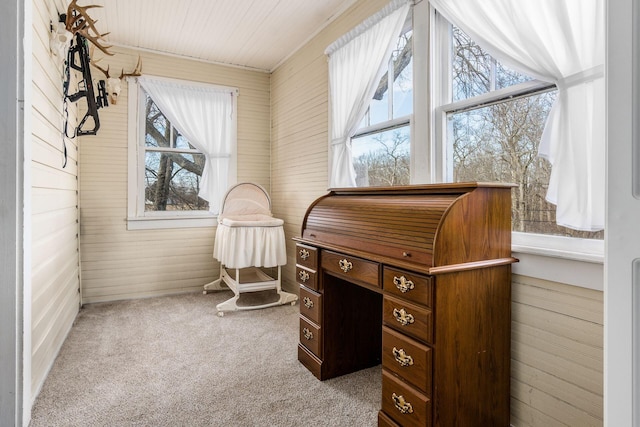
x=78 y=59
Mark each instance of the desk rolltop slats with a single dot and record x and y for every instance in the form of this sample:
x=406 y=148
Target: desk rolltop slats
x=396 y=228
x=431 y=226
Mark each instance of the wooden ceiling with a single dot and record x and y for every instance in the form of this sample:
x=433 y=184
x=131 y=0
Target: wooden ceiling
x=258 y=34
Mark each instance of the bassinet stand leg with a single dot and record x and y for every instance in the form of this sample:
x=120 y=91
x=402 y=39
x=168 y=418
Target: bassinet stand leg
x=285 y=297
x=231 y=303
x=264 y=282
x=216 y=285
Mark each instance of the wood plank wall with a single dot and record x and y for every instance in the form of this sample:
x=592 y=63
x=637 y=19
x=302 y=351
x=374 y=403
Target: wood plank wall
x=556 y=354
x=121 y=264
x=300 y=124
x=557 y=328
x=54 y=246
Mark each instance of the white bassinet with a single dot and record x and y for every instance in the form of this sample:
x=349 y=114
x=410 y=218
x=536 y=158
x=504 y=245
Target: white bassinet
x=248 y=237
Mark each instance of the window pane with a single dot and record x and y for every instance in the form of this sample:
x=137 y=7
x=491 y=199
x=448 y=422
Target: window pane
x=471 y=67
x=499 y=143
x=172 y=182
x=475 y=72
x=383 y=158
x=401 y=98
x=403 y=76
x=379 y=107
x=157 y=127
x=180 y=141
x=506 y=77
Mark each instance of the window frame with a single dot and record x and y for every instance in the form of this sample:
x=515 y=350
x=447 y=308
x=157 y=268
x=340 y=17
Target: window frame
x=439 y=90
x=137 y=217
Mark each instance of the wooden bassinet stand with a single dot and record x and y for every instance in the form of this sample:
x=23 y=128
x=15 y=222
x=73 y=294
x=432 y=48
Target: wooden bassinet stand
x=248 y=237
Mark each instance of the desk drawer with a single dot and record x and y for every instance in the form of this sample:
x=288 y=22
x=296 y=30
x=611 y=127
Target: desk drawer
x=385 y=421
x=310 y=336
x=403 y=404
x=310 y=304
x=307 y=256
x=307 y=277
x=410 y=286
x=407 y=358
x=351 y=268
x=408 y=318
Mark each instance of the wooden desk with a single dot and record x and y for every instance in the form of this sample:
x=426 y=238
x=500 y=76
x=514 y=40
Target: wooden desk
x=417 y=278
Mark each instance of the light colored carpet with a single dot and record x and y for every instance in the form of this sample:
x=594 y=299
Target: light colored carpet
x=171 y=361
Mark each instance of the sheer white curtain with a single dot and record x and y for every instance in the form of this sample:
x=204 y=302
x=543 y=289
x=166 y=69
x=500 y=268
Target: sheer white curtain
x=560 y=41
x=204 y=115
x=356 y=63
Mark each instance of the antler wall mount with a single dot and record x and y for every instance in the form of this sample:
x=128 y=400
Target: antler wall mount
x=83 y=29
x=114 y=85
x=78 y=21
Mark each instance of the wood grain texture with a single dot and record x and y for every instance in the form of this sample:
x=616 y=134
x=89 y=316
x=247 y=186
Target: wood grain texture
x=446 y=337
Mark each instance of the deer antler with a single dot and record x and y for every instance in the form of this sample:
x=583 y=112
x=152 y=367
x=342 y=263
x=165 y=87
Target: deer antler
x=136 y=71
x=78 y=21
x=94 y=62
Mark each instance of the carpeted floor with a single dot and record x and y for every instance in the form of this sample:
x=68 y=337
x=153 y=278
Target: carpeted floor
x=171 y=361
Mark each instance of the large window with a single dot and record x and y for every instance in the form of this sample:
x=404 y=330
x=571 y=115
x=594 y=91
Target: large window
x=172 y=166
x=493 y=124
x=382 y=145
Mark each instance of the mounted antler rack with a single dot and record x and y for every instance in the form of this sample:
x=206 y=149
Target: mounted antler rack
x=114 y=84
x=84 y=30
x=77 y=21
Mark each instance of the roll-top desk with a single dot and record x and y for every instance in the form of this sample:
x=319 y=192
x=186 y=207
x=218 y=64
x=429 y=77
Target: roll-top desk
x=417 y=278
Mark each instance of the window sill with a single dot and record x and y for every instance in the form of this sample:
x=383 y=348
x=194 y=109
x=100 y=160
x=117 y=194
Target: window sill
x=156 y=223
x=587 y=250
x=577 y=262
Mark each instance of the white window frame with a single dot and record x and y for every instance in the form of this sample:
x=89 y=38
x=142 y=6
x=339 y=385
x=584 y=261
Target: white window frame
x=137 y=217
x=567 y=250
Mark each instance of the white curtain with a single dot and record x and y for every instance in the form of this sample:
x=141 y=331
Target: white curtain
x=356 y=64
x=560 y=41
x=204 y=115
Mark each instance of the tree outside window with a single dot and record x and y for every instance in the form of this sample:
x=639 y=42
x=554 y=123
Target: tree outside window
x=173 y=167
x=496 y=139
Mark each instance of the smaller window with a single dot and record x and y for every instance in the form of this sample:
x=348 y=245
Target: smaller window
x=172 y=166
x=165 y=169
x=381 y=147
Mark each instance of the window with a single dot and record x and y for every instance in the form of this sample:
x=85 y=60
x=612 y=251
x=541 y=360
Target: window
x=175 y=182
x=381 y=147
x=172 y=166
x=492 y=124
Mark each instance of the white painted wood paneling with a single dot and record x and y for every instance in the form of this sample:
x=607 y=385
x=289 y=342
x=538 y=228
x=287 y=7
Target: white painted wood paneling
x=299 y=127
x=557 y=354
x=248 y=33
x=54 y=221
x=120 y=264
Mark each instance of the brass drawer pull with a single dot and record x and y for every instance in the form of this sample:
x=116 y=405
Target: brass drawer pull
x=403 y=317
x=304 y=276
x=345 y=265
x=307 y=333
x=402 y=357
x=402 y=405
x=403 y=284
x=304 y=254
x=307 y=302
